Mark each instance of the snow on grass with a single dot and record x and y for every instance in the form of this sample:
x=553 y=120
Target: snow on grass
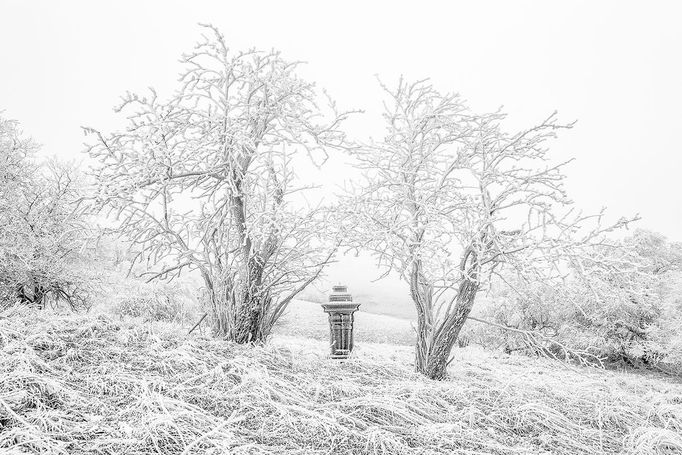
x=91 y=384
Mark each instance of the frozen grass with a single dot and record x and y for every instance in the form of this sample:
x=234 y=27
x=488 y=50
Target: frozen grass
x=93 y=384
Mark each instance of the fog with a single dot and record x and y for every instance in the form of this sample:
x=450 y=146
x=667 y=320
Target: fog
x=613 y=66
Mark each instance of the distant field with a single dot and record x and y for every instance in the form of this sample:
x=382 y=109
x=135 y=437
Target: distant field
x=308 y=320
x=387 y=307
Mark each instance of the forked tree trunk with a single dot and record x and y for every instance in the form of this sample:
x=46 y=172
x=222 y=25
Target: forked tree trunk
x=239 y=306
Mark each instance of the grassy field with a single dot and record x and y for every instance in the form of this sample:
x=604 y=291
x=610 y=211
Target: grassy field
x=93 y=384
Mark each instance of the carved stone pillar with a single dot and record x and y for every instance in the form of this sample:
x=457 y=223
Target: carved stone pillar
x=340 y=309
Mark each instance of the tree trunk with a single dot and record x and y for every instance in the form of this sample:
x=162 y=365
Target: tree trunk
x=435 y=341
x=239 y=315
x=250 y=326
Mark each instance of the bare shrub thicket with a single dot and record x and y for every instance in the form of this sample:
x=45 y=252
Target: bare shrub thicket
x=45 y=248
x=628 y=316
x=205 y=181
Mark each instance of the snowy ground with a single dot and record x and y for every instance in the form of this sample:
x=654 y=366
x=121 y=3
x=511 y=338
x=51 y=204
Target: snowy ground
x=83 y=384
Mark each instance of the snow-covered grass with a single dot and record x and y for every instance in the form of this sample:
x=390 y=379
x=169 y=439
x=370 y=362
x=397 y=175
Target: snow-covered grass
x=77 y=384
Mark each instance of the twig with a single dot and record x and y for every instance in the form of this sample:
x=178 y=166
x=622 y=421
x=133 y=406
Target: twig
x=197 y=324
x=533 y=343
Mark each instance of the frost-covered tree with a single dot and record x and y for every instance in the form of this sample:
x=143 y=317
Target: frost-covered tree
x=205 y=181
x=43 y=234
x=451 y=200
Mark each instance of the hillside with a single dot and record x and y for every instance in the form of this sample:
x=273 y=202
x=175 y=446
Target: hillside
x=91 y=384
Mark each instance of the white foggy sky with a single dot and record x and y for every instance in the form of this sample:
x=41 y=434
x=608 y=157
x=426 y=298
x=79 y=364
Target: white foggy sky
x=614 y=66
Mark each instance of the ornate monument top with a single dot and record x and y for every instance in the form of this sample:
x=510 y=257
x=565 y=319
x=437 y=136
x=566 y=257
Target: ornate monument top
x=340 y=294
x=340 y=300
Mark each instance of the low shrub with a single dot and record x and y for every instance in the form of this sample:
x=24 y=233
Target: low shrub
x=628 y=317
